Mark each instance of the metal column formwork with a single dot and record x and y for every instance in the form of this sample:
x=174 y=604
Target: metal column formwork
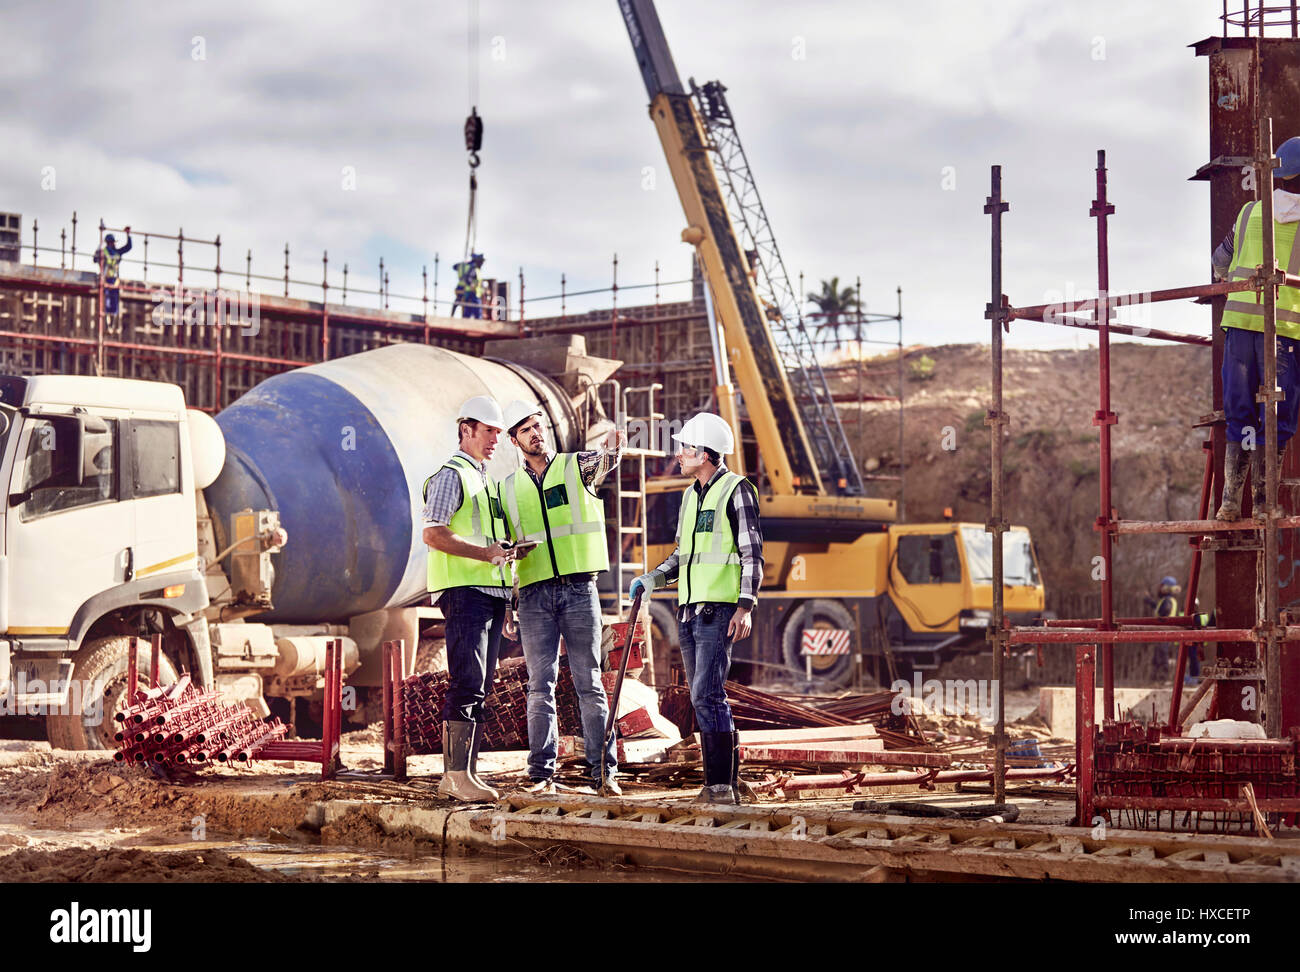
x=1122 y=767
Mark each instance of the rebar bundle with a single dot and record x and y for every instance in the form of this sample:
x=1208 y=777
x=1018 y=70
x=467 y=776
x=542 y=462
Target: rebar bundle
x=183 y=724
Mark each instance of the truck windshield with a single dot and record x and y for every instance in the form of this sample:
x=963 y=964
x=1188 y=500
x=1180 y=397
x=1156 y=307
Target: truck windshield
x=1018 y=567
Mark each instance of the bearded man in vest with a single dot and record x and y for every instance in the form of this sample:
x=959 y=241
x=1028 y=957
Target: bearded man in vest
x=468 y=564
x=551 y=501
x=1237 y=258
x=718 y=566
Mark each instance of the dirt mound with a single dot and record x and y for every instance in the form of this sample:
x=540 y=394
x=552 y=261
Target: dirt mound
x=373 y=733
x=89 y=866
x=1051 y=452
x=236 y=804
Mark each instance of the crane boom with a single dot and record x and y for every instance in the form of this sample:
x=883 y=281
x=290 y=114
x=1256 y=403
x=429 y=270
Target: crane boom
x=783 y=443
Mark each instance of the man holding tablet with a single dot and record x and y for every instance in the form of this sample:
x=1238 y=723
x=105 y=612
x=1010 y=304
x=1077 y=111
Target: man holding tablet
x=551 y=502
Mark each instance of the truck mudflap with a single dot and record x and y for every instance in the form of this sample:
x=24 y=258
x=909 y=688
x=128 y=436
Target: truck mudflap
x=197 y=627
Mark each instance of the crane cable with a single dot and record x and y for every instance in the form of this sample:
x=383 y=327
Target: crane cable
x=473 y=129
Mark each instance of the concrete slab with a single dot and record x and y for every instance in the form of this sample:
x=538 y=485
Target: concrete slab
x=1056 y=706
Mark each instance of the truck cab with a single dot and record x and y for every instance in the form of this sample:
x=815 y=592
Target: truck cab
x=97 y=540
x=940 y=583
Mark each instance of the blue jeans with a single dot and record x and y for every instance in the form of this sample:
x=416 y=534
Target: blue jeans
x=568 y=608
x=1243 y=366
x=706 y=656
x=474 y=622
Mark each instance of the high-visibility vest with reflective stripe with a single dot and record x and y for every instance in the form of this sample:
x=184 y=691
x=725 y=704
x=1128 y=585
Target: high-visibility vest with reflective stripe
x=565 y=519
x=708 y=558
x=1243 y=308
x=478 y=520
x=111 y=263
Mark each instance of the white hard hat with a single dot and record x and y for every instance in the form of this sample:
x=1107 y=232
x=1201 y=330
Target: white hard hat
x=517 y=411
x=708 y=430
x=483 y=409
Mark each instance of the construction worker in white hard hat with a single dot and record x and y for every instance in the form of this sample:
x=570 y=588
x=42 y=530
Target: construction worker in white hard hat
x=718 y=566
x=551 y=502
x=469 y=580
x=1237 y=258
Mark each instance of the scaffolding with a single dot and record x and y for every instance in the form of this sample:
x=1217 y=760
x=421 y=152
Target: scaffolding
x=1094 y=636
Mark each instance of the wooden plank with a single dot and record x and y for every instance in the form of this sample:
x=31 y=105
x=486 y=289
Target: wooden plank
x=748 y=845
x=814 y=734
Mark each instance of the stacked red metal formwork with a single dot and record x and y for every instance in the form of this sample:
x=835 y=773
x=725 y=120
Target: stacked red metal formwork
x=1140 y=769
x=182 y=724
x=424 y=693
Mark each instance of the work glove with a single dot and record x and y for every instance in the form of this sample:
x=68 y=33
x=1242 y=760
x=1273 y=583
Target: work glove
x=645 y=583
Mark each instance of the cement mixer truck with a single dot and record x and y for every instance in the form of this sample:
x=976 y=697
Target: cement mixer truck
x=245 y=542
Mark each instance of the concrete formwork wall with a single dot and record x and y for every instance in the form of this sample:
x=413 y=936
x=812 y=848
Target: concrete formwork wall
x=72 y=314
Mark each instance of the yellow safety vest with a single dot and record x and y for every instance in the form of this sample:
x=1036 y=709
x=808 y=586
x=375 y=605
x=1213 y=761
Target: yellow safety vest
x=708 y=558
x=111 y=263
x=1243 y=308
x=478 y=520
x=562 y=515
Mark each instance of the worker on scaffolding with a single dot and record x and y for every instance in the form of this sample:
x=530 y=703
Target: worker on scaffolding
x=109 y=258
x=1237 y=258
x=718 y=566
x=469 y=288
x=468 y=578
x=552 y=502
x=1164 y=605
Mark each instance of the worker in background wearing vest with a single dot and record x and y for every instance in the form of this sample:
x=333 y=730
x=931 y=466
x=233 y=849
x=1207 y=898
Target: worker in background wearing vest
x=1165 y=605
x=468 y=564
x=1237 y=258
x=109 y=258
x=718 y=566
x=469 y=289
x=551 y=501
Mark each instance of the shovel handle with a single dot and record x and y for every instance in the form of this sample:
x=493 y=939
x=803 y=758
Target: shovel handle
x=622 y=667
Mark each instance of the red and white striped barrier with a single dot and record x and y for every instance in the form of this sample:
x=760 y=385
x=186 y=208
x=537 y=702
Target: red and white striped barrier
x=826 y=641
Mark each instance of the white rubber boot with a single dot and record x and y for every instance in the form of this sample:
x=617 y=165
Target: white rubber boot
x=473 y=762
x=457 y=784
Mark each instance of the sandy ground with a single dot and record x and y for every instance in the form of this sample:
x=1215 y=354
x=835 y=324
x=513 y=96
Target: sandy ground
x=68 y=816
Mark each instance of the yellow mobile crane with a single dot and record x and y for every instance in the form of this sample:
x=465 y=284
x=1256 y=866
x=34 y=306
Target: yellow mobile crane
x=835 y=559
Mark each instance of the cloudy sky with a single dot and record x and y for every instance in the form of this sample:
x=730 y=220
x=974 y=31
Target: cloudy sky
x=870 y=126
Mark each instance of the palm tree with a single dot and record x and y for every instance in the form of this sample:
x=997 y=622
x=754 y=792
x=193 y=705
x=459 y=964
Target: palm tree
x=834 y=304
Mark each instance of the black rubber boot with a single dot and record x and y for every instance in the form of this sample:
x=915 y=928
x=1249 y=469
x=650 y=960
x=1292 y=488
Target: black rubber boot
x=1235 y=463
x=717 y=752
x=743 y=791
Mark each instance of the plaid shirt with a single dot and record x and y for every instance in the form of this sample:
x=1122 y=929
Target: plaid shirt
x=443 y=497
x=593 y=466
x=742 y=510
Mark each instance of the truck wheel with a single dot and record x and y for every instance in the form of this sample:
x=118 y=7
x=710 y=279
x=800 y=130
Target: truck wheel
x=663 y=640
x=100 y=668
x=831 y=671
